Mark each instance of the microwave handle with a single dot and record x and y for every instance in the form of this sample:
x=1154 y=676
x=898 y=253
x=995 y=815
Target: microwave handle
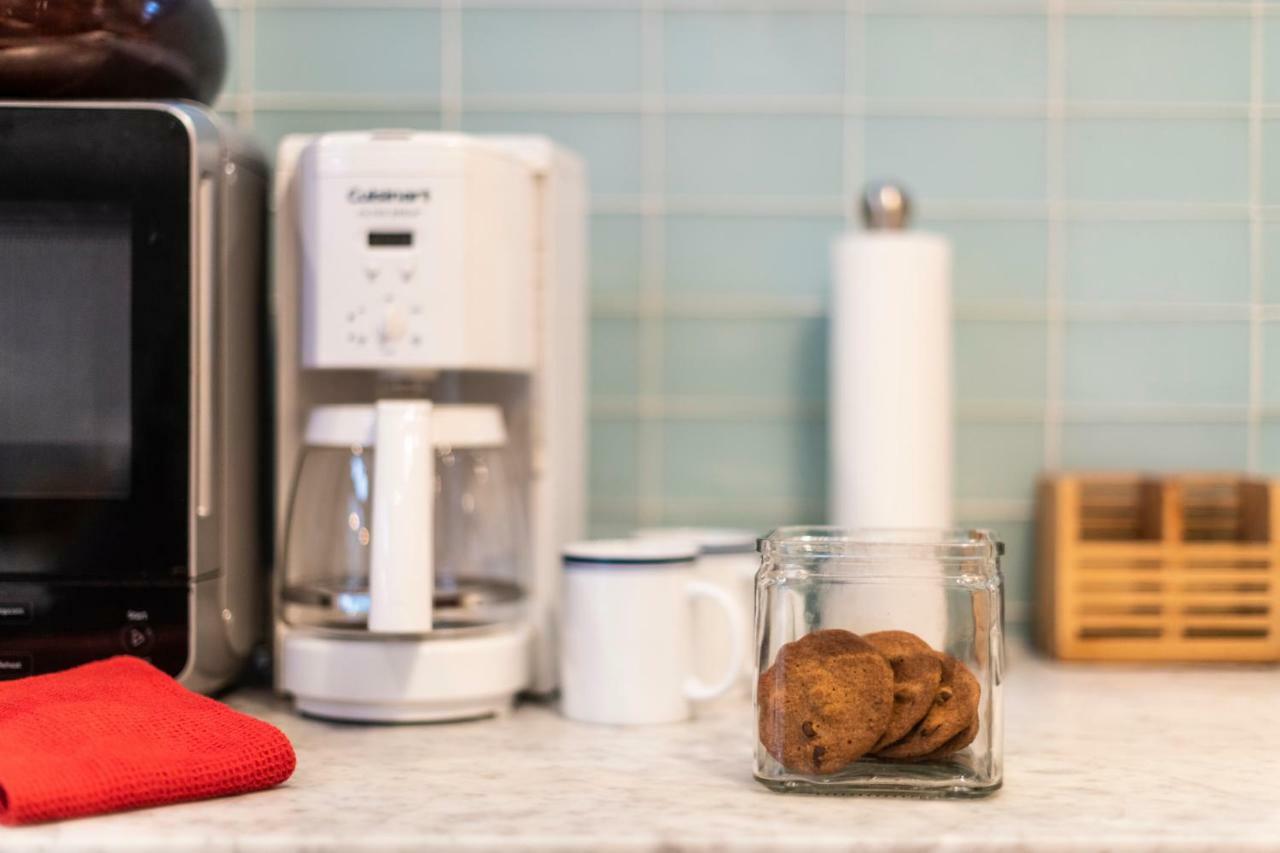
x=401 y=575
x=206 y=328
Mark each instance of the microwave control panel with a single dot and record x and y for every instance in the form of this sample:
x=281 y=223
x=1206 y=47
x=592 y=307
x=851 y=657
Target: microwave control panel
x=48 y=627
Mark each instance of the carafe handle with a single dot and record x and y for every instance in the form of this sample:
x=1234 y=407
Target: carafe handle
x=401 y=574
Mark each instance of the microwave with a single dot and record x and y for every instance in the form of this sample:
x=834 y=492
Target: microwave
x=131 y=310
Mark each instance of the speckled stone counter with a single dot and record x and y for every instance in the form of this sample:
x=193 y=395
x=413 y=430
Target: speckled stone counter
x=1096 y=759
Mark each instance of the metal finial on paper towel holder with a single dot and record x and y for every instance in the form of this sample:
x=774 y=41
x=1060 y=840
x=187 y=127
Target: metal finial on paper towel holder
x=886 y=206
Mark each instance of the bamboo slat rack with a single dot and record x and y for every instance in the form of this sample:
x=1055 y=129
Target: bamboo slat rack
x=1141 y=568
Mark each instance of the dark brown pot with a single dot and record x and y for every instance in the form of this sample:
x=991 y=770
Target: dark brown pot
x=111 y=49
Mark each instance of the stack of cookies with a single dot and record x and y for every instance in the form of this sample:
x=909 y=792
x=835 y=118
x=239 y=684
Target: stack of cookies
x=832 y=697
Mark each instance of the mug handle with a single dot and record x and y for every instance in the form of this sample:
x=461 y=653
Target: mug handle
x=694 y=688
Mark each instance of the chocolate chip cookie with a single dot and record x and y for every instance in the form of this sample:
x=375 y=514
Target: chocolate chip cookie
x=917 y=673
x=825 y=701
x=954 y=707
x=957 y=743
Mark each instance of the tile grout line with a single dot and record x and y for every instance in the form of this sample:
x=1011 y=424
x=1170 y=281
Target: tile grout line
x=624 y=509
x=1055 y=328
x=988 y=411
x=914 y=8
x=817 y=105
x=940 y=210
x=750 y=307
x=451 y=64
x=1256 y=363
x=650 y=434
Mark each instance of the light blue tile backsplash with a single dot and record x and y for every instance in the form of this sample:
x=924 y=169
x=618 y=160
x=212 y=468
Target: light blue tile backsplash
x=1157 y=262
x=1269 y=450
x=617 y=245
x=767 y=53
x=1271 y=365
x=775 y=359
x=1271 y=165
x=1271 y=46
x=1159 y=363
x=322 y=50
x=1155 y=446
x=1271 y=262
x=993 y=159
x=734 y=155
x=231 y=33
x=742 y=461
x=610 y=142
x=996 y=461
x=999 y=362
x=612 y=465
x=1002 y=260
x=1146 y=59
x=1114 y=219
x=1171 y=160
x=613 y=368
x=550 y=52
x=756 y=255
x=937 y=57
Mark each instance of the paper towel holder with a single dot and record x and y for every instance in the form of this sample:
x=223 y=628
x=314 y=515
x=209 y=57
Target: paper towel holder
x=886 y=206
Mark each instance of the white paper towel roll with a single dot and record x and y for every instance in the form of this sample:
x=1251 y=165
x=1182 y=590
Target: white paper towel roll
x=890 y=400
x=890 y=410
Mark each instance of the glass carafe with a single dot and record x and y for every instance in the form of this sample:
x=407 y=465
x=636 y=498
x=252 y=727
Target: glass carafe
x=478 y=532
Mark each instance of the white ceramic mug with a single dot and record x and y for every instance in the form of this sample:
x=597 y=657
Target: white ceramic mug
x=627 y=646
x=727 y=558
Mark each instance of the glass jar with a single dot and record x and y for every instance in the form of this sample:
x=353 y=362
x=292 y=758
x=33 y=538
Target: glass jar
x=880 y=662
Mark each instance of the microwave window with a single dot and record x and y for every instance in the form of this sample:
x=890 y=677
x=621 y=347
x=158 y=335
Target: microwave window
x=65 y=390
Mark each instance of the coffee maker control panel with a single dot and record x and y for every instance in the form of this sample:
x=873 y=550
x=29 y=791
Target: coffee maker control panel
x=415 y=256
x=386 y=312
x=376 y=256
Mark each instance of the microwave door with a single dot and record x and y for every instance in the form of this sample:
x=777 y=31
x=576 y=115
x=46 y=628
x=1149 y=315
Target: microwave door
x=94 y=383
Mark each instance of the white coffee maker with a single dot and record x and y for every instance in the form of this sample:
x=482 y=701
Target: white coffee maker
x=430 y=373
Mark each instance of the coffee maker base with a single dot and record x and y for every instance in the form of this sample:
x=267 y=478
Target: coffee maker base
x=404 y=680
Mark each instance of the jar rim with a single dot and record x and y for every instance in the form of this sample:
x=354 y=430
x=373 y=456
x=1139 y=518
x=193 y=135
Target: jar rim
x=939 y=545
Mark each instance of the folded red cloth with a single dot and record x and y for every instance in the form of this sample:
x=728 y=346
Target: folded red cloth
x=120 y=734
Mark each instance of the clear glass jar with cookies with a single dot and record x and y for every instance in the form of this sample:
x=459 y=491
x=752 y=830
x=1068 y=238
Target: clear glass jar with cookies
x=879 y=665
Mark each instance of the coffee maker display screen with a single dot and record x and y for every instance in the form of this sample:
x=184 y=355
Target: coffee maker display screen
x=65 y=388
x=379 y=239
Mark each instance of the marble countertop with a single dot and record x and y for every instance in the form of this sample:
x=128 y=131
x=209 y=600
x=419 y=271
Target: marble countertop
x=1113 y=758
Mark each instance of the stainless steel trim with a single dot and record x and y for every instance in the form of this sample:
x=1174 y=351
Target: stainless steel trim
x=205 y=329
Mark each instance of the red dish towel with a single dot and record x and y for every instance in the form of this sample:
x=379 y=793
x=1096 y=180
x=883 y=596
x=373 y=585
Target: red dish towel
x=120 y=734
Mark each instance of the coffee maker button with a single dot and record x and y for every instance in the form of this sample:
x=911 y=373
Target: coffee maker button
x=371 y=271
x=394 y=325
x=136 y=639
